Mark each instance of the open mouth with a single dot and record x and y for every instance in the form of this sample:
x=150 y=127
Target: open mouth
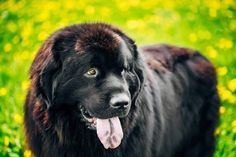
x=109 y=131
x=88 y=118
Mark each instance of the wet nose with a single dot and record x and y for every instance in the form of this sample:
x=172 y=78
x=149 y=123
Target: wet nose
x=119 y=101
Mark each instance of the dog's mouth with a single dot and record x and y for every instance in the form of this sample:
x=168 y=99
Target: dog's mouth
x=109 y=131
x=88 y=118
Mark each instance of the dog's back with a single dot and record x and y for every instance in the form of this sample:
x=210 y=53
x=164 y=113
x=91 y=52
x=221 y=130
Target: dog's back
x=188 y=83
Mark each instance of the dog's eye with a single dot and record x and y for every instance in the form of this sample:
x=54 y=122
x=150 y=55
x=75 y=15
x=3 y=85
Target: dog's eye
x=92 y=72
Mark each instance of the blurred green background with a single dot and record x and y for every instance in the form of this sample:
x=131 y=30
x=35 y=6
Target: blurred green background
x=208 y=26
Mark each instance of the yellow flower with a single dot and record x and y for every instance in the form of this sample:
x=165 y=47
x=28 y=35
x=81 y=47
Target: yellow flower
x=232 y=99
x=222 y=110
x=232 y=85
x=42 y=36
x=18 y=118
x=134 y=2
x=226 y=94
x=232 y=25
x=228 y=3
x=11 y=26
x=212 y=53
x=27 y=153
x=217 y=131
x=225 y=43
x=133 y=24
x=234 y=123
x=89 y=10
x=105 y=12
x=6 y=141
x=222 y=71
x=155 y=19
x=215 y=4
x=193 y=37
x=3 y=91
x=27 y=31
x=25 y=84
x=234 y=129
x=7 y=47
x=43 y=16
x=204 y=34
x=212 y=12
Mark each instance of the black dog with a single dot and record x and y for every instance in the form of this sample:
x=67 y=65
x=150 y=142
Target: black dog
x=94 y=94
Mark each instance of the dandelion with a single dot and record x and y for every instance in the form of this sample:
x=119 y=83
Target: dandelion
x=132 y=24
x=212 y=53
x=222 y=71
x=70 y=4
x=225 y=43
x=217 y=131
x=193 y=37
x=11 y=26
x=214 y=6
x=25 y=84
x=3 y=91
x=6 y=141
x=134 y=2
x=155 y=19
x=123 y=5
x=232 y=25
x=234 y=129
x=222 y=110
x=7 y=47
x=89 y=10
x=18 y=118
x=232 y=85
x=203 y=34
x=27 y=153
x=43 y=16
x=232 y=99
x=226 y=94
x=228 y=3
x=233 y=123
x=42 y=36
x=27 y=31
x=105 y=12
x=212 y=12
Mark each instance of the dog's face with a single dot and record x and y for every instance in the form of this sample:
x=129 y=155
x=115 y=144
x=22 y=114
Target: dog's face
x=95 y=68
x=101 y=82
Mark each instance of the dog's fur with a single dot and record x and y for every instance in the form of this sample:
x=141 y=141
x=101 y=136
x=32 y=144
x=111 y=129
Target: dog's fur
x=174 y=101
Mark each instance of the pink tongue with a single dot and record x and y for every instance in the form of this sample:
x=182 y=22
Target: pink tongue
x=109 y=132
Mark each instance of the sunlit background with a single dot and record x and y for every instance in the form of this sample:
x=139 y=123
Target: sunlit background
x=208 y=26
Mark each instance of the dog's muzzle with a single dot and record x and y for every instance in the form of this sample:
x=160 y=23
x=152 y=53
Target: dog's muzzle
x=120 y=101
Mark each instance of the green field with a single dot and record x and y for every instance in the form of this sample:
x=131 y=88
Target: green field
x=208 y=26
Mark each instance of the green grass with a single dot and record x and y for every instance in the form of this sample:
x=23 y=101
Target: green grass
x=208 y=26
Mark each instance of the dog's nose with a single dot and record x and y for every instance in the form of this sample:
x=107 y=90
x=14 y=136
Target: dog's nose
x=120 y=101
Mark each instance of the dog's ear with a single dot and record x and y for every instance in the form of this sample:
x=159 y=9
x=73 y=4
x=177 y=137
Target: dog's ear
x=48 y=72
x=138 y=72
x=47 y=84
x=138 y=68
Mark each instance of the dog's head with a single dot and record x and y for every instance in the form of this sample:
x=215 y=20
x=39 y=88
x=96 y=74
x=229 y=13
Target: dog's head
x=94 y=67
